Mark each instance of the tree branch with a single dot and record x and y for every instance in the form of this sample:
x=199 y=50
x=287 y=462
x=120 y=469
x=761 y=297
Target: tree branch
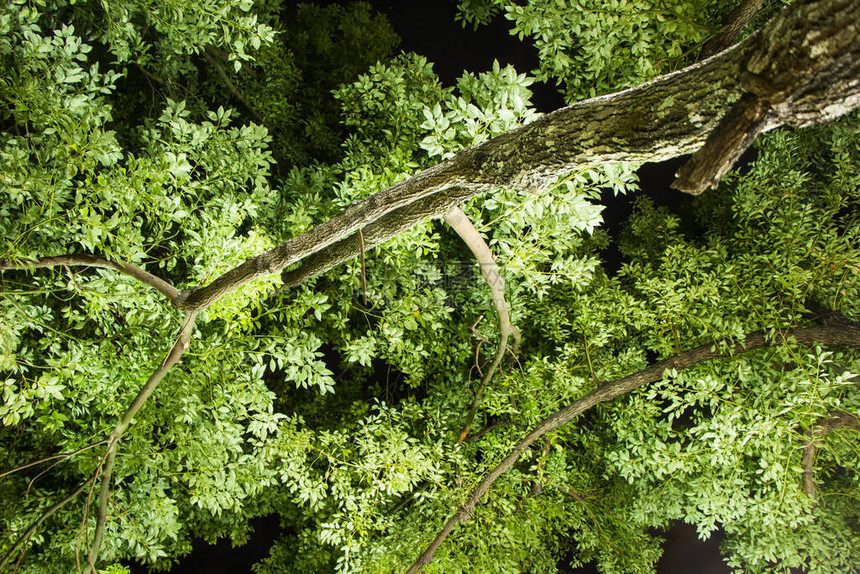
x=848 y=336
x=536 y=486
x=490 y=270
x=483 y=431
x=664 y=118
x=76 y=260
x=233 y=89
x=168 y=83
x=781 y=74
x=838 y=419
x=181 y=344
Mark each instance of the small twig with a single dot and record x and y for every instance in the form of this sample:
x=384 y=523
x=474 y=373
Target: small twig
x=537 y=485
x=83 y=531
x=483 y=431
x=169 y=83
x=481 y=341
x=475 y=330
x=576 y=495
x=234 y=90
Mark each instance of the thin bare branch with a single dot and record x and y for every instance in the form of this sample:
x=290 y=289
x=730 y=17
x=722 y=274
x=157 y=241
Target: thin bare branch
x=80 y=260
x=577 y=496
x=837 y=336
x=490 y=270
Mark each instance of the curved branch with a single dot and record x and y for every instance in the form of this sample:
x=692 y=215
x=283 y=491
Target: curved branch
x=848 y=336
x=838 y=419
x=80 y=260
x=490 y=270
x=635 y=125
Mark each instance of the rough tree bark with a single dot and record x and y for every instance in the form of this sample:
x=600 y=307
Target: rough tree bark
x=736 y=22
x=802 y=68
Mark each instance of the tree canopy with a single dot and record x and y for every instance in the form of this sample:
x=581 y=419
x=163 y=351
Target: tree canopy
x=255 y=262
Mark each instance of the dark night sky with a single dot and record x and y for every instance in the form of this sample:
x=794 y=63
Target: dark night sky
x=428 y=28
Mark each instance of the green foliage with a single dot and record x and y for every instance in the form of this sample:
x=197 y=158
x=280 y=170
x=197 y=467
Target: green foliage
x=318 y=50
x=338 y=413
x=591 y=47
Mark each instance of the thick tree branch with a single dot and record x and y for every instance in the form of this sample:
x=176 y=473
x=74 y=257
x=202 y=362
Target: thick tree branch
x=490 y=271
x=791 y=66
x=800 y=69
x=845 y=336
x=75 y=260
x=737 y=130
x=837 y=419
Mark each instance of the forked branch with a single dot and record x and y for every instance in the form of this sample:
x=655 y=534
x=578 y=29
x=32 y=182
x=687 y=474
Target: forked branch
x=181 y=344
x=183 y=340
x=25 y=537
